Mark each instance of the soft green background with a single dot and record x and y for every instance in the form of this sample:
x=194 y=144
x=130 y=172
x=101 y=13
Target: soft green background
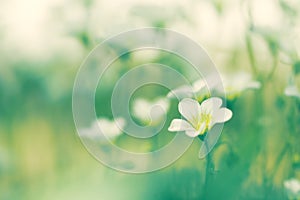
x=42 y=46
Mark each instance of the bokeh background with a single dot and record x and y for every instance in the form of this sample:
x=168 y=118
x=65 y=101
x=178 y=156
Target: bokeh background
x=43 y=44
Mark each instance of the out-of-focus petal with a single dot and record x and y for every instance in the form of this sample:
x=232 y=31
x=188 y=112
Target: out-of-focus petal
x=181 y=92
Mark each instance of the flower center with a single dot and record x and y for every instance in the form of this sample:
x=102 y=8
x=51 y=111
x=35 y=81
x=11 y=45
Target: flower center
x=205 y=120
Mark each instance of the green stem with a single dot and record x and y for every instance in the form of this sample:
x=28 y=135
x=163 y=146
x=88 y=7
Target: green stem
x=251 y=53
x=209 y=167
x=274 y=66
x=278 y=162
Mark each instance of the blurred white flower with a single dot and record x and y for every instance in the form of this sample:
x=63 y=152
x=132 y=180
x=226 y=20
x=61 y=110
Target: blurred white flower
x=199 y=118
x=103 y=128
x=292 y=187
x=197 y=90
x=150 y=112
x=292 y=91
x=235 y=84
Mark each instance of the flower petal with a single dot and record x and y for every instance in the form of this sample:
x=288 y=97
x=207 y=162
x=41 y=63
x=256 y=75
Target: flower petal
x=211 y=104
x=180 y=125
x=141 y=109
x=292 y=185
x=120 y=122
x=292 y=90
x=221 y=115
x=190 y=110
x=163 y=103
x=159 y=109
x=103 y=127
x=254 y=85
x=110 y=129
x=198 y=85
x=192 y=133
x=181 y=92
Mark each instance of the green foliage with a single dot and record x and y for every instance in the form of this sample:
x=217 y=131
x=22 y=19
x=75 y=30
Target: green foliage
x=296 y=67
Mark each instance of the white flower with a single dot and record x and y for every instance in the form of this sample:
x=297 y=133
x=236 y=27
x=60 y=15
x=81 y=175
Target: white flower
x=103 y=127
x=292 y=91
x=233 y=85
x=197 y=90
x=150 y=112
x=236 y=83
x=293 y=188
x=199 y=118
